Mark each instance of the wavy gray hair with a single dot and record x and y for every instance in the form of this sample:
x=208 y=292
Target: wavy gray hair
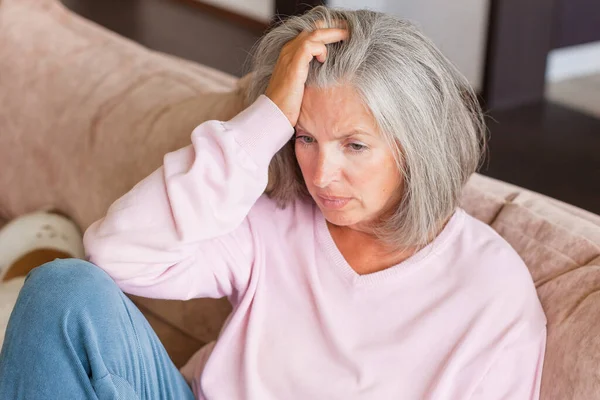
x=425 y=108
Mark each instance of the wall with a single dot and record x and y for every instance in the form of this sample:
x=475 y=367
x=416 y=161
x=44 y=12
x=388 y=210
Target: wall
x=573 y=62
x=260 y=10
x=458 y=27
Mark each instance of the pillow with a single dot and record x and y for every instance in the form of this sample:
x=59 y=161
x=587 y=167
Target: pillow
x=200 y=319
x=85 y=114
x=562 y=252
x=481 y=203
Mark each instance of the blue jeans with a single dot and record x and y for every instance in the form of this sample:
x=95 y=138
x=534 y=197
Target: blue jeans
x=73 y=334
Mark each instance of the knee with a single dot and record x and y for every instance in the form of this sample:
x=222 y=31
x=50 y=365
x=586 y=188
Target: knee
x=67 y=279
x=66 y=271
x=61 y=297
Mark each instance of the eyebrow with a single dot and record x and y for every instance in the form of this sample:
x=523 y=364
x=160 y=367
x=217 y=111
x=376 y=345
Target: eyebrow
x=344 y=136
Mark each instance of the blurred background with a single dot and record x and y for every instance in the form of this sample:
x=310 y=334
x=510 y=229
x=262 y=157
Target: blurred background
x=534 y=63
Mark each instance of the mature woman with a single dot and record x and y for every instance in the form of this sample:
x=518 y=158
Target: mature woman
x=355 y=276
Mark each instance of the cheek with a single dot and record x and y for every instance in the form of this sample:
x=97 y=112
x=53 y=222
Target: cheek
x=360 y=175
x=391 y=182
x=364 y=171
x=304 y=159
x=377 y=179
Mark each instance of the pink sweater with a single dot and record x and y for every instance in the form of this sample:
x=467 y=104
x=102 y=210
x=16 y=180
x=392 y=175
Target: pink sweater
x=458 y=320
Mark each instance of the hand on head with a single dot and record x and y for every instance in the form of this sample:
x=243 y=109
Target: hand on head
x=286 y=86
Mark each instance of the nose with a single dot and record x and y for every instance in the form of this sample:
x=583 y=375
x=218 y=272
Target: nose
x=326 y=172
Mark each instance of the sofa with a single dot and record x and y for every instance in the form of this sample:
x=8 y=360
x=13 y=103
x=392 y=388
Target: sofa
x=85 y=114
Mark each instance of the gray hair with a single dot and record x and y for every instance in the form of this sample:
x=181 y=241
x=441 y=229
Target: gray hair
x=424 y=107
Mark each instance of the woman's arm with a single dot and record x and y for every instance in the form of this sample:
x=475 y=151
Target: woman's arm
x=182 y=231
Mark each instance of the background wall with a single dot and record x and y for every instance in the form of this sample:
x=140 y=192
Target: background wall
x=458 y=27
x=573 y=61
x=261 y=10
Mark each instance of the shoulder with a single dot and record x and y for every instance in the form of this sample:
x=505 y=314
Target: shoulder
x=490 y=253
x=494 y=273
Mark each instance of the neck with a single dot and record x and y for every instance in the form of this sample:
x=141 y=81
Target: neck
x=365 y=252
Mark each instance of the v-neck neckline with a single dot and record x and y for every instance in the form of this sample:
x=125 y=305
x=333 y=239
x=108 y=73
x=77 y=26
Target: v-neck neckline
x=339 y=263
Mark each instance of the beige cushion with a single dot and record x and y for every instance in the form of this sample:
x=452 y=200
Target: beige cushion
x=86 y=114
x=548 y=246
x=200 y=319
x=483 y=198
x=562 y=252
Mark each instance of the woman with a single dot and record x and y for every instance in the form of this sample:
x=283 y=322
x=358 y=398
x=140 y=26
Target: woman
x=355 y=276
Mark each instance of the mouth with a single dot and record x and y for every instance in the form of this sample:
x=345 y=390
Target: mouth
x=333 y=203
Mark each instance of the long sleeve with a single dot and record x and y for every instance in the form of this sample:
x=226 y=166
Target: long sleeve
x=183 y=231
x=517 y=373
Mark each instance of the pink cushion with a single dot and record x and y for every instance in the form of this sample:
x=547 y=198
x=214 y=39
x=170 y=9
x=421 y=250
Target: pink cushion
x=85 y=114
x=481 y=202
x=562 y=252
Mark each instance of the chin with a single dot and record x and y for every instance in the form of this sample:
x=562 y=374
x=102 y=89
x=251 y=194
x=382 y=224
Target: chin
x=340 y=218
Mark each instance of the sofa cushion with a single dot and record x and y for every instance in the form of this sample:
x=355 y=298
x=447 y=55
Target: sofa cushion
x=200 y=319
x=179 y=345
x=85 y=114
x=562 y=252
x=569 y=217
x=483 y=198
x=548 y=248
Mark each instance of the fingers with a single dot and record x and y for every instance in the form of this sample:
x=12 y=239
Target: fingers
x=313 y=49
x=314 y=42
x=328 y=35
x=288 y=78
x=320 y=53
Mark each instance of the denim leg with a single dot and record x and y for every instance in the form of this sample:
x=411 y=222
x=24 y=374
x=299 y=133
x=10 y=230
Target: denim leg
x=73 y=334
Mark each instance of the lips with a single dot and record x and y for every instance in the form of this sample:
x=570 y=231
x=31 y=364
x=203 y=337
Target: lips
x=333 y=203
x=332 y=198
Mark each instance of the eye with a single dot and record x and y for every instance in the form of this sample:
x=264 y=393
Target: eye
x=357 y=147
x=305 y=139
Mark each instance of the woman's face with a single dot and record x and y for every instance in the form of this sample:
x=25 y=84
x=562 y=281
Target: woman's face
x=347 y=165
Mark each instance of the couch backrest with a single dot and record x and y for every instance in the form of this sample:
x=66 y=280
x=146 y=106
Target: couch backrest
x=561 y=246
x=86 y=114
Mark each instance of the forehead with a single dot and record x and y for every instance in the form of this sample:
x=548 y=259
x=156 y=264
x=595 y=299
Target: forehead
x=335 y=108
